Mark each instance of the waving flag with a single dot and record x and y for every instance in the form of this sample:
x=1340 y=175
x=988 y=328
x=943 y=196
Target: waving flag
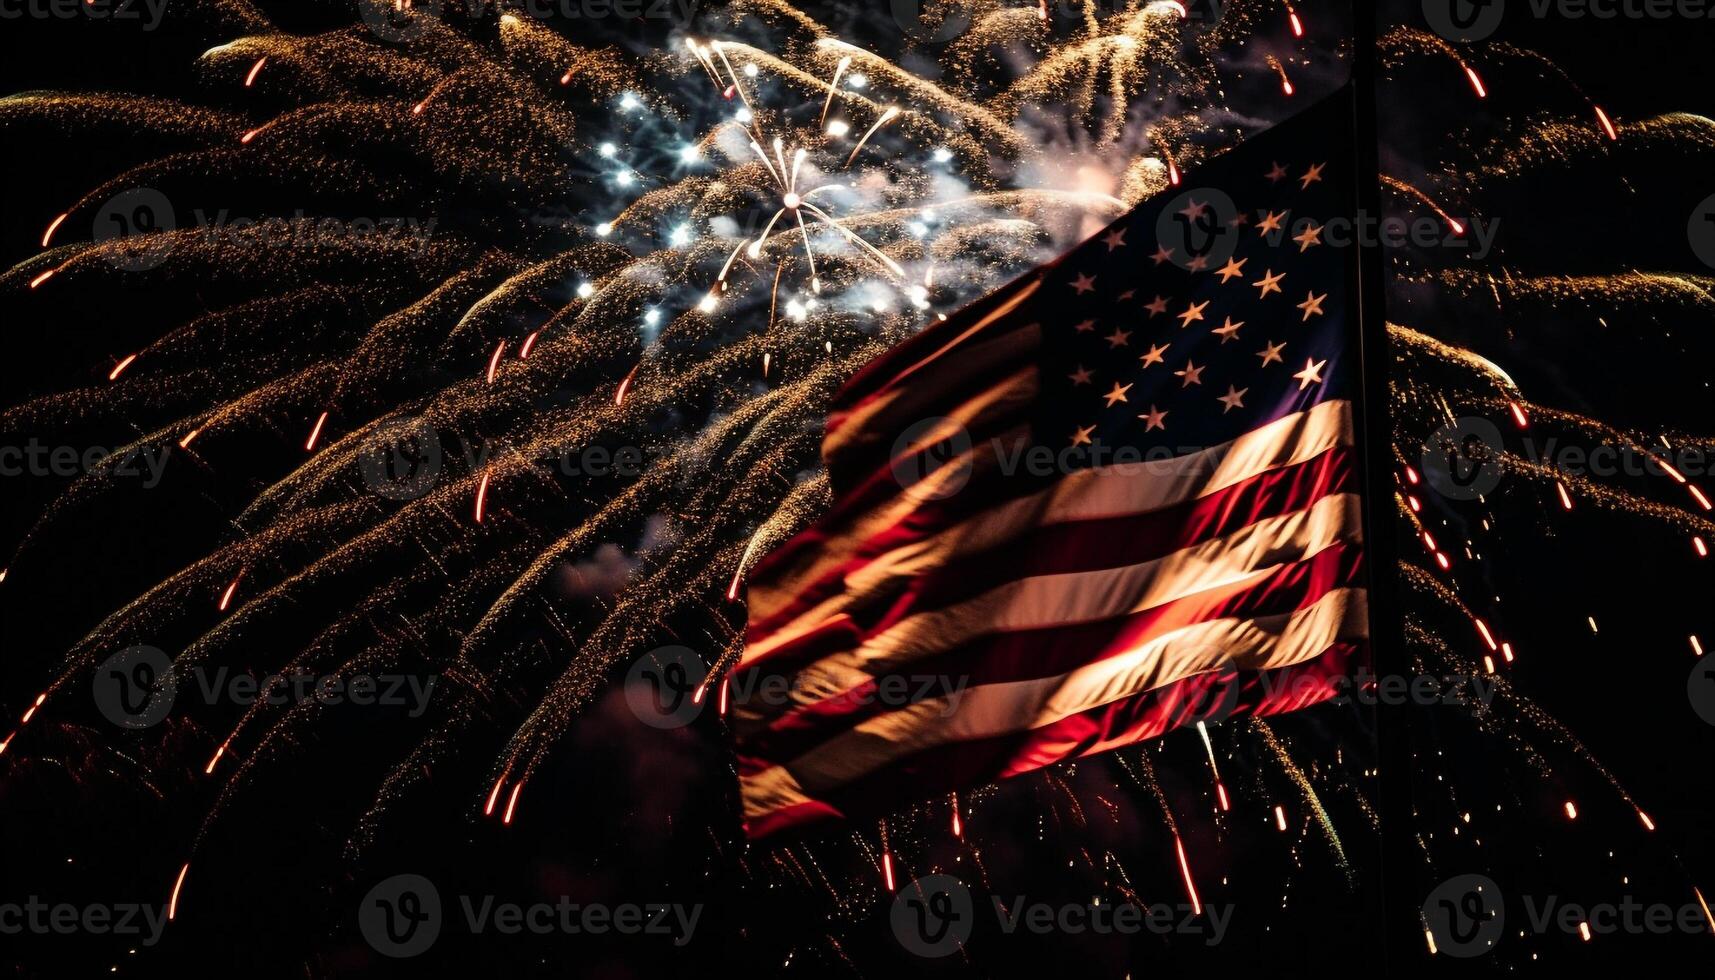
x=1116 y=496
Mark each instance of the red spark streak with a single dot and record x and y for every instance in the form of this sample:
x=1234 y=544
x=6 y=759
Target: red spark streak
x=481 y=496
x=173 y=903
x=44 y=277
x=493 y=794
x=1648 y=823
x=625 y=386
x=226 y=597
x=1565 y=498
x=1221 y=795
x=315 y=433
x=1518 y=415
x=494 y=360
x=1476 y=83
x=887 y=868
x=250 y=79
x=1280 y=818
x=32 y=712
x=511 y=804
x=209 y=769
x=529 y=342
x=120 y=367
x=1571 y=810
x=1607 y=126
x=49 y=234
x=1185 y=869
x=1488 y=638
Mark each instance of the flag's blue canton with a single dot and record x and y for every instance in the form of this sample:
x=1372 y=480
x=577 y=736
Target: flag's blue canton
x=1152 y=348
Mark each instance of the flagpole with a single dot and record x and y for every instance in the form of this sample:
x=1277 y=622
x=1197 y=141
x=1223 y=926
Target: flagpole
x=1401 y=928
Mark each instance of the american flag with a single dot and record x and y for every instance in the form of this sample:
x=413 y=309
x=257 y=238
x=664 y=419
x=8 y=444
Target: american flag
x=1116 y=496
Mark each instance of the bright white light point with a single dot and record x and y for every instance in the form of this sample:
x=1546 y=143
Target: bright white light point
x=680 y=235
x=918 y=295
x=838 y=127
x=707 y=303
x=928 y=216
x=796 y=310
x=742 y=115
x=750 y=70
x=623 y=178
x=607 y=150
x=880 y=306
x=919 y=229
x=585 y=290
x=630 y=101
x=652 y=317
x=791 y=200
x=691 y=153
x=857 y=80
x=604 y=229
x=942 y=154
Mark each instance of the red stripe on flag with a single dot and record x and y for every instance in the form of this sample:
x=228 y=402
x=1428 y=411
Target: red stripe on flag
x=1053 y=650
x=1142 y=716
